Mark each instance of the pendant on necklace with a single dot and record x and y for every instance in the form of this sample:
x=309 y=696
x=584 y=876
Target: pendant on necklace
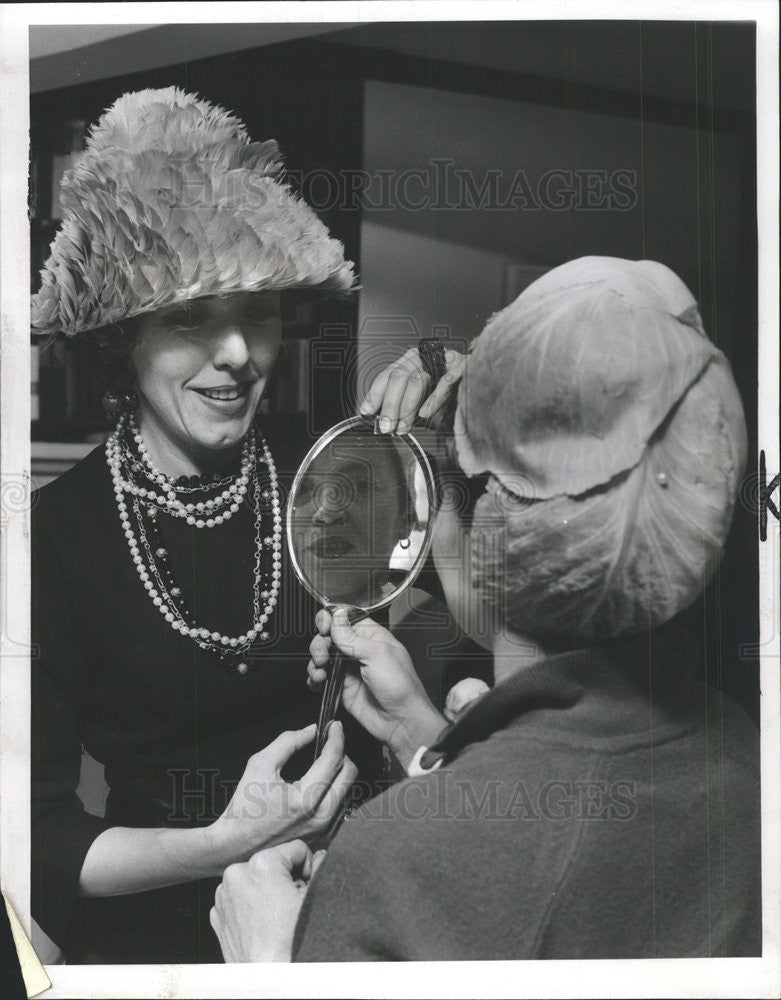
x=242 y=668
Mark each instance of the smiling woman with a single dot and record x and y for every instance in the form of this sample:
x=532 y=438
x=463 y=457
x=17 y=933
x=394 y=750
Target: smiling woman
x=171 y=633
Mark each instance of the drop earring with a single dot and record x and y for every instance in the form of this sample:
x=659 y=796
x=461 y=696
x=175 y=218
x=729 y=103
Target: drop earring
x=116 y=403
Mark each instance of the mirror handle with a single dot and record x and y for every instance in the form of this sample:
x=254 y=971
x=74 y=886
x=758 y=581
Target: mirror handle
x=332 y=696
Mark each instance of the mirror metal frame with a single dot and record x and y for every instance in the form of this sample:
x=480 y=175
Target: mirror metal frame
x=354 y=423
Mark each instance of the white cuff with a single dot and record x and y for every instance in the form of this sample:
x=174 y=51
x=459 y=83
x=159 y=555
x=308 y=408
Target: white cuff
x=415 y=770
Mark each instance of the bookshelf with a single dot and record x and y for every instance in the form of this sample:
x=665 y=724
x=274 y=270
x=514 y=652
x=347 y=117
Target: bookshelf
x=67 y=417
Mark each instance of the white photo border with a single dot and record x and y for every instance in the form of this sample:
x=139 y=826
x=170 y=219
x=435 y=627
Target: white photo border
x=750 y=978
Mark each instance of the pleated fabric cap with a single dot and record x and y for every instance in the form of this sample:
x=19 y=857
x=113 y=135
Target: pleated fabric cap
x=616 y=438
x=171 y=201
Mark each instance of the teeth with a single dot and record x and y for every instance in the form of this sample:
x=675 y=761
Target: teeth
x=221 y=393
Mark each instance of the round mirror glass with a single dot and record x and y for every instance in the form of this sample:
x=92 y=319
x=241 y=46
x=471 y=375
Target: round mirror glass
x=359 y=516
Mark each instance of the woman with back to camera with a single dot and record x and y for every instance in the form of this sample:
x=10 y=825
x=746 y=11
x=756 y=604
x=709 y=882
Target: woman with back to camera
x=601 y=800
x=171 y=634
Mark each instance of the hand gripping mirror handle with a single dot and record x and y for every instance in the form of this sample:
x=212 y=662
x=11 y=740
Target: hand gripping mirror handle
x=332 y=693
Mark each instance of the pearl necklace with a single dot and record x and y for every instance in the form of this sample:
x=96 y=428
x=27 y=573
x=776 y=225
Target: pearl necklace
x=156 y=578
x=167 y=500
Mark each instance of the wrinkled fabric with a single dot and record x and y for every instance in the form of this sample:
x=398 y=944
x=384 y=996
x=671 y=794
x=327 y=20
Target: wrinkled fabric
x=616 y=438
x=565 y=826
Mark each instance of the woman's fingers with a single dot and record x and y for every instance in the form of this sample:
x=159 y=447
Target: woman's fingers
x=290 y=855
x=327 y=766
x=414 y=394
x=320 y=647
x=389 y=411
x=393 y=402
x=344 y=635
x=320 y=650
x=455 y=369
x=318 y=675
x=373 y=398
x=335 y=795
x=280 y=750
x=323 y=622
x=357 y=642
x=376 y=396
x=435 y=400
x=397 y=392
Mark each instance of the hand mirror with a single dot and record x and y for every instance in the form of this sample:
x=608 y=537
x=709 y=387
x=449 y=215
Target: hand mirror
x=359 y=521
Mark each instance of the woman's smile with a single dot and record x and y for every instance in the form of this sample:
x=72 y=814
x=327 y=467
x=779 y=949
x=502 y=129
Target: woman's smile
x=225 y=393
x=229 y=400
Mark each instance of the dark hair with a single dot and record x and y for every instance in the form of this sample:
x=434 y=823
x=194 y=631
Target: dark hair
x=112 y=345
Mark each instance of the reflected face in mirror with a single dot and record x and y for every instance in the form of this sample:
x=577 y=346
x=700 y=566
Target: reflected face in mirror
x=352 y=508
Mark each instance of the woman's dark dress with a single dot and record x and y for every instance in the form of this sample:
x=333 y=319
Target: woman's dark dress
x=173 y=726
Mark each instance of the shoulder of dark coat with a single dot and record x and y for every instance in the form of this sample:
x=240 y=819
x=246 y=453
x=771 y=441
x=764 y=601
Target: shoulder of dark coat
x=74 y=497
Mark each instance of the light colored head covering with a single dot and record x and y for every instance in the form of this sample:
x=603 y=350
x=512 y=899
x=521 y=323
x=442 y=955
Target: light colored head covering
x=616 y=438
x=172 y=201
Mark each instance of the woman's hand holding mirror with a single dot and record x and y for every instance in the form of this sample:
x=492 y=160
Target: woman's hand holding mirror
x=265 y=809
x=384 y=694
x=403 y=391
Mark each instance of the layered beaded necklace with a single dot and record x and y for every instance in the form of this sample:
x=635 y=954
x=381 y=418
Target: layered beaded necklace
x=140 y=488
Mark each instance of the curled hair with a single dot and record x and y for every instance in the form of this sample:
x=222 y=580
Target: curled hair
x=112 y=346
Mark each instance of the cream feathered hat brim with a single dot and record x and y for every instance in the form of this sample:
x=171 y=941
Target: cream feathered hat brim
x=171 y=201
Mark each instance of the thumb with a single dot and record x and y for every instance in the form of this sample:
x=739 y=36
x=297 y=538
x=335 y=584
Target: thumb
x=373 y=398
x=286 y=744
x=292 y=855
x=345 y=637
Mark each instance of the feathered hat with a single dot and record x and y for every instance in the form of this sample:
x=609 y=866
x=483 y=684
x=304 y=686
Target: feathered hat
x=171 y=201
